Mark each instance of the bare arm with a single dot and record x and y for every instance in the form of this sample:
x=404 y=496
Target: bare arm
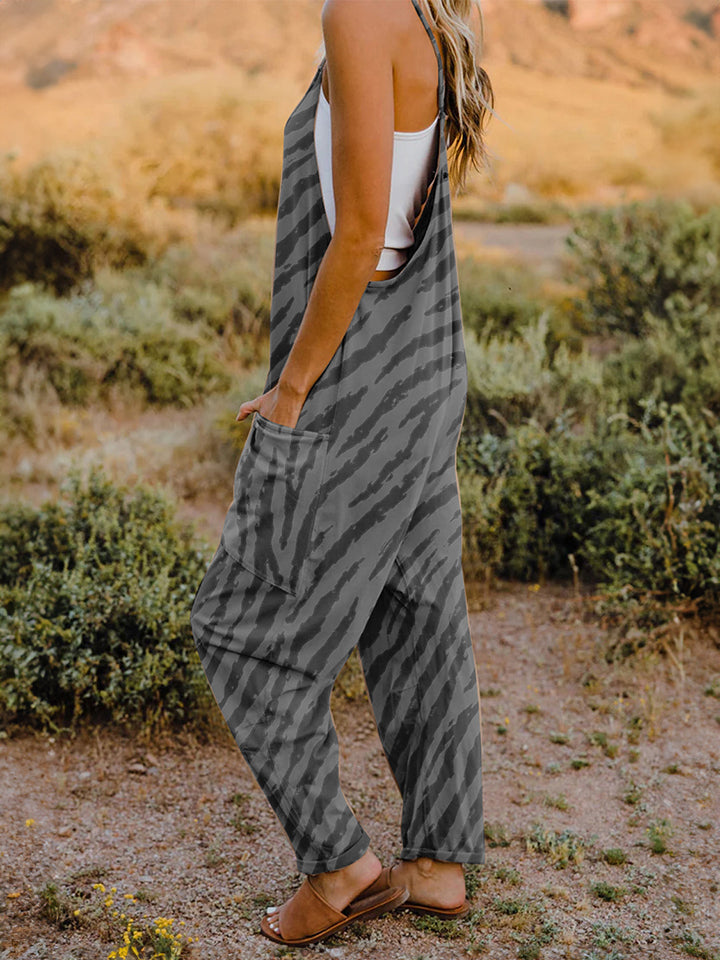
x=360 y=76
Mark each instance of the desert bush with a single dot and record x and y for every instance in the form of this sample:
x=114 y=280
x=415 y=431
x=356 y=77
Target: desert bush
x=98 y=340
x=226 y=285
x=62 y=217
x=533 y=210
x=530 y=488
x=514 y=379
x=188 y=146
x=168 y=332
x=654 y=259
x=95 y=597
x=482 y=540
x=674 y=365
x=498 y=299
x=637 y=504
x=652 y=528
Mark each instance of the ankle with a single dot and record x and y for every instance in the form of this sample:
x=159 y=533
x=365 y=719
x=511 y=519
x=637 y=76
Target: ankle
x=368 y=863
x=429 y=868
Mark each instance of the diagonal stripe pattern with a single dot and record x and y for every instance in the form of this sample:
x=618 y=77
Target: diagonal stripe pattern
x=346 y=530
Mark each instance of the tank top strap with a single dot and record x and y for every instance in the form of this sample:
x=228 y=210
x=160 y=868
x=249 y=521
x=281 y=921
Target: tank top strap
x=441 y=70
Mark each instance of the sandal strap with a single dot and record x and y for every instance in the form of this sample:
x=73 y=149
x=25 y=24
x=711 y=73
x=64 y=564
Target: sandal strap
x=307 y=912
x=380 y=883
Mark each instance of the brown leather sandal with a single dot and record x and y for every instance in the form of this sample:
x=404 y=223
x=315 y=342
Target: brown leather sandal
x=383 y=882
x=307 y=916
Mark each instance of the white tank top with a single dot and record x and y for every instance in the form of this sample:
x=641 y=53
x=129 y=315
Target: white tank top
x=414 y=154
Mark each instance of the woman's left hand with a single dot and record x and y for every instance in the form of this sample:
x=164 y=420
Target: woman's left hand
x=275 y=405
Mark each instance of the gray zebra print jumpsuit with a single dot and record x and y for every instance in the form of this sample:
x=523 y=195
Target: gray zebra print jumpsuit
x=346 y=530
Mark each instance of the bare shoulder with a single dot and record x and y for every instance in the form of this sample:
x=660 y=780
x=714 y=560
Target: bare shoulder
x=366 y=19
x=359 y=44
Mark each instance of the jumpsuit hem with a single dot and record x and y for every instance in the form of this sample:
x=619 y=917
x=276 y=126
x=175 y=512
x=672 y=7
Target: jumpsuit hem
x=335 y=863
x=451 y=856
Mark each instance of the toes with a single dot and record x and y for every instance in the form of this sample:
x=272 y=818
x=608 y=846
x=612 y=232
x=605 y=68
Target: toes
x=271 y=909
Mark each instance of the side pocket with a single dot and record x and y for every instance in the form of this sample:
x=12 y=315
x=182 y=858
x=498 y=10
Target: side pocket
x=270 y=525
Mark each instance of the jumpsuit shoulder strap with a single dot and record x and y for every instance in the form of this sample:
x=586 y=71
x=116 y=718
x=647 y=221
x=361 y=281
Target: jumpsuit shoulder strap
x=438 y=55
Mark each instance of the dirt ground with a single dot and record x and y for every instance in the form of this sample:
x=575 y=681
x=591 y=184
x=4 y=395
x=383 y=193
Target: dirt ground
x=580 y=757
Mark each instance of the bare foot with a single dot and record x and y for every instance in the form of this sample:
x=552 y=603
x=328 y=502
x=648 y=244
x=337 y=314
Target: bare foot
x=434 y=883
x=341 y=886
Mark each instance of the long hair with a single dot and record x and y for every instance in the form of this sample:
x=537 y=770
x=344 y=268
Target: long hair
x=469 y=96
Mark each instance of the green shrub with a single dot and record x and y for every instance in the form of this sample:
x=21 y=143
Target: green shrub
x=530 y=491
x=676 y=364
x=511 y=380
x=652 y=526
x=535 y=210
x=95 y=597
x=498 y=299
x=657 y=258
x=227 y=285
x=94 y=340
x=638 y=506
x=481 y=524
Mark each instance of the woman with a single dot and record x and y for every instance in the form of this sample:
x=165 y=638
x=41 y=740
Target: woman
x=345 y=527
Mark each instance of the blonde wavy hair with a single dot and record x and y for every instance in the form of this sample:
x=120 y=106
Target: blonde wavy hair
x=469 y=96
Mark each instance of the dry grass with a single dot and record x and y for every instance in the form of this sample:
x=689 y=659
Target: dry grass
x=204 y=131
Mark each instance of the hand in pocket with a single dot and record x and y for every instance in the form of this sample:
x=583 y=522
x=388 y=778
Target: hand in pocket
x=276 y=405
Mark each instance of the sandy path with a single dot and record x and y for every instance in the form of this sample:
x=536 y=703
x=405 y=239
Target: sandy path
x=169 y=833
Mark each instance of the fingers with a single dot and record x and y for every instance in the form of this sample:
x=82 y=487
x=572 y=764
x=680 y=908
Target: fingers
x=246 y=409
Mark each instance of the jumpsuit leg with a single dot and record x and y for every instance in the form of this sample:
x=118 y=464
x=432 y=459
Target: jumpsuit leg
x=419 y=668
x=279 y=715
x=272 y=662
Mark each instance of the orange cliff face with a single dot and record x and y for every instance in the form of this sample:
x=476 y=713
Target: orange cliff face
x=122 y=49
x=64 y=41
x=581 y=13
x=586 y=14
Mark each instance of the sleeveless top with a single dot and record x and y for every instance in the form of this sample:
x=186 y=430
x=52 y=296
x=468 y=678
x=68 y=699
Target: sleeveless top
x=413 y=161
